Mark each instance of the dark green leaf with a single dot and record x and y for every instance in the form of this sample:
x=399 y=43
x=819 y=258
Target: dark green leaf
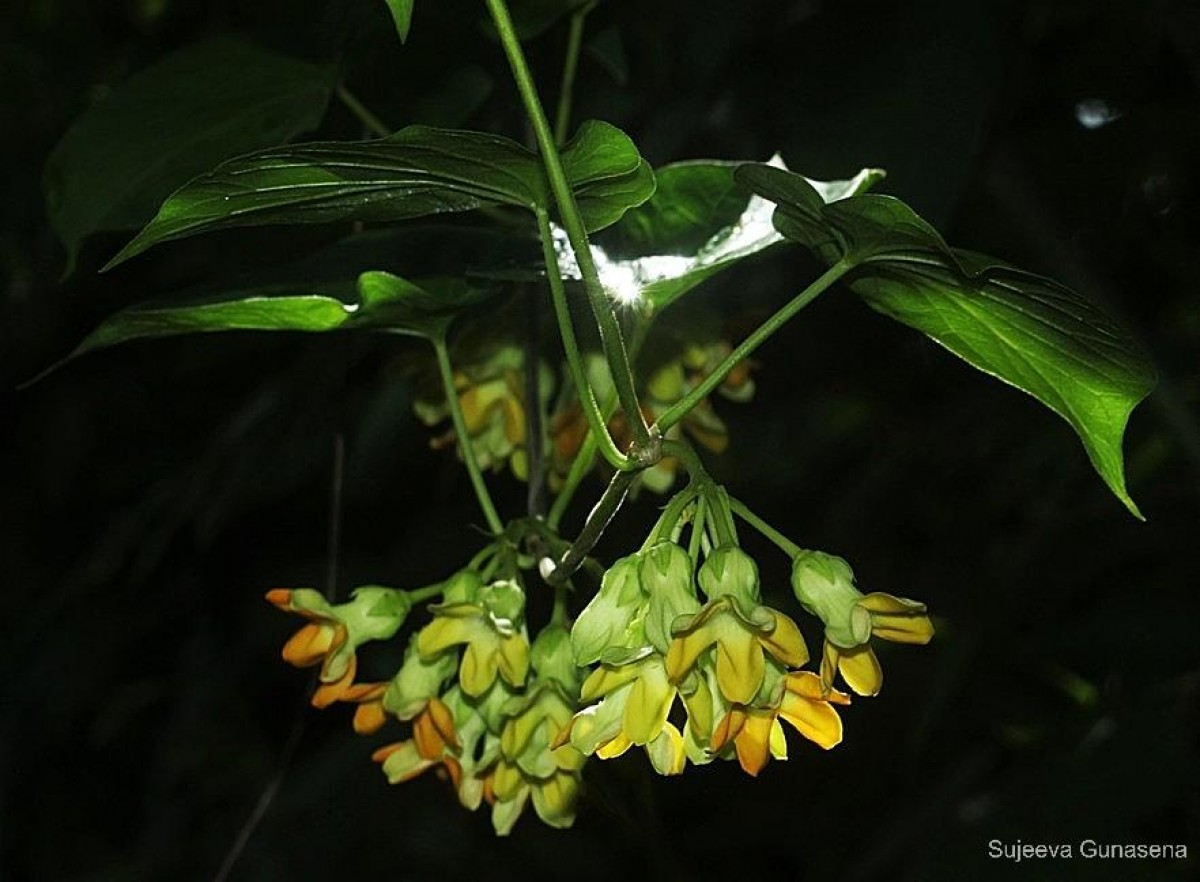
x=417 y=171
x=171 y=122
x=402 y=11
x=1026 y=330
x=1032 y=333
x=379 y=302
x=603 y=202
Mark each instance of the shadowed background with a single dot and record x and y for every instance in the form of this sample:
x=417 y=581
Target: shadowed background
x=155 y=492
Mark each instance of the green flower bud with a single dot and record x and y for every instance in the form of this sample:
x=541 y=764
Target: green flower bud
x=417 y=681
x=552 y=658
x=666 y=576
x=606 y=621
x=730 y=571
x=463 y=587
x=505 y=600
x=824 y=585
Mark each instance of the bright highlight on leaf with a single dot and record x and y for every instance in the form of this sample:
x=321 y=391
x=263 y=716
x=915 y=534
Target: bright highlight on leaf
x=699 y=222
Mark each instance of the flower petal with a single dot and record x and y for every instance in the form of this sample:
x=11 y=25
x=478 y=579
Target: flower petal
x=309 y=645
x=477 y=672
x=649 y=702
x=785 y=642
x=512 y=659
x=666 y=752
x=506 y=812
x=861 y=671
x=403 y=763
x=813 y=718
x=614 y=748
x=369 y=717
x=754 y=740
x=778 y=741
x=554 y=800
x=740 y=665
x=685 y=649
x=327 y=693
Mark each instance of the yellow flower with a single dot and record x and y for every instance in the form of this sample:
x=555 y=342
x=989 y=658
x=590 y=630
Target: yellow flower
x=533 y=763
x=757 y=735
x=741 y=638
x=334 y=633
x=635 y=700
x=509 y=790
x=494 y=645
x=491 y=395
x=434 y=742
x=891 y=618
x=824 y=584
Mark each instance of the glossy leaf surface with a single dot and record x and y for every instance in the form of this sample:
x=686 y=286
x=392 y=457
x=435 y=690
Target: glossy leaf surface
x=379 y=301
x=416 y=172
x=1026 y=330
x=699 y=222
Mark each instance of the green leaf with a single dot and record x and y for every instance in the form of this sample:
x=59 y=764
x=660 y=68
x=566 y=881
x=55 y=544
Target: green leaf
x=699 y=222
x=171 y=122
x=1026 y=330
x=417 y=171
x=603 y=202
x=1034 y=334
x=402 y=11
x=379 y=301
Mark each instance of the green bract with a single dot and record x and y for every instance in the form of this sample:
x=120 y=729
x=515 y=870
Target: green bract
x=730 y=571
x=666 y=577
x=607 y=621
x=824 y=585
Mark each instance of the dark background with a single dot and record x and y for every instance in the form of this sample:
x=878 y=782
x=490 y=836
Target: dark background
x=154 y=492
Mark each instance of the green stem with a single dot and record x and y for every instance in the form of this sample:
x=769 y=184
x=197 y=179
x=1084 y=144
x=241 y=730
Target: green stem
x=423 y=594
x=488 y=551
x=684 y=406
x=562 y=119
x=786 y=545
x=368 y=119
x=558 y=615
x=722 y=516
x=464 y=439
x=587 y=398
x=597 y=521
x=672 y=513
x=580 y=466
x=697 y=526
x=645 y=447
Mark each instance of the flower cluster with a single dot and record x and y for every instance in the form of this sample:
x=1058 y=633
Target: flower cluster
x=676 y=653
x=482 y=706
x=732 y=663
x=491 y=396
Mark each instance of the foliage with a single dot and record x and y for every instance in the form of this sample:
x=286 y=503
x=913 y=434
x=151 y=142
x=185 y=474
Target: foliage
x=675 y=647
